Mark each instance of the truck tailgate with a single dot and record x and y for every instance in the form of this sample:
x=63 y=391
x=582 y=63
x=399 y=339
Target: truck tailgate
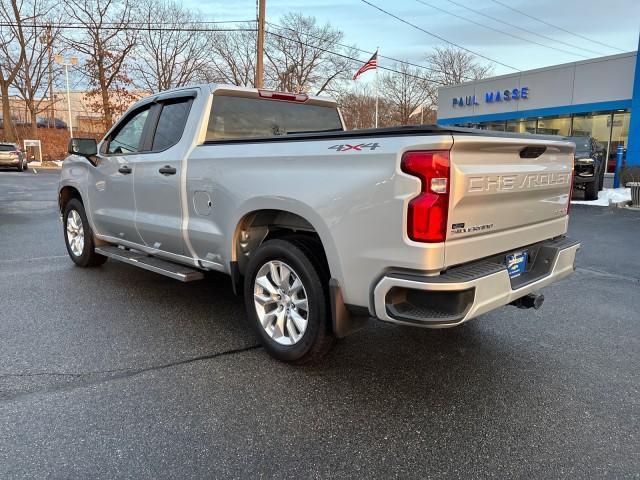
x=505 y=193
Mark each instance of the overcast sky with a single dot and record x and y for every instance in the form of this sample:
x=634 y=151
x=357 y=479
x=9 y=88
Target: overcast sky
x=613 y=22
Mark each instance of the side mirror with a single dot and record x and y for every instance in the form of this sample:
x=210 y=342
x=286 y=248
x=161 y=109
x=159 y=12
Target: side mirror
x=86 y=147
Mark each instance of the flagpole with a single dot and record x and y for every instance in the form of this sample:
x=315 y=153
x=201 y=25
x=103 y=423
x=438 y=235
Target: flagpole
x=377 y=85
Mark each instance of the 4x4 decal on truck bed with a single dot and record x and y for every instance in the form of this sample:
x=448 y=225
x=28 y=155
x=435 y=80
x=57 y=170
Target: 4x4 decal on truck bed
x=360 y=146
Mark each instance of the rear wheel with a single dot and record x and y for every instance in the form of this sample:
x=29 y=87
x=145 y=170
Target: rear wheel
x=287 y=302
x=78 y=236
x=591 y=190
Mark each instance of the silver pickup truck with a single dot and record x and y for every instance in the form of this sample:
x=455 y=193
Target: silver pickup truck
x=321 y=228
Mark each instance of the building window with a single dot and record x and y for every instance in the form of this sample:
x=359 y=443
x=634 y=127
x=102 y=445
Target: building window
x=496 y=126
x=597 y=126
x=555 y=126
x=521 y=126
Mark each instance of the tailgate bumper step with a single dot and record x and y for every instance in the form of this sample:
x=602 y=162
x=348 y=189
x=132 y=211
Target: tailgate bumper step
x=467 y=291
x=153 y=264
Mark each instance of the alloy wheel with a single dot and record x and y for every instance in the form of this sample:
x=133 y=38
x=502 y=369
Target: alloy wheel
x=75 y=233
x=281 y=302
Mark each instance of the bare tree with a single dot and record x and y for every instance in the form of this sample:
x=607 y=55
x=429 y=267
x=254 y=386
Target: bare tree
x=35 y=75
x=306 y=57
x=106 y=42
x=358 y=107
x=451 y=66
x=12 y=56
x=406 y=91
x=168 y=57
x=233 y=56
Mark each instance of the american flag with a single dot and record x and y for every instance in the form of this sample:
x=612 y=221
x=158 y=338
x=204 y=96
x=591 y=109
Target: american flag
x=372 y=64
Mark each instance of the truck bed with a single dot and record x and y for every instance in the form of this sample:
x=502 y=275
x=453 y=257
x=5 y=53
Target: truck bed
x=408 y=130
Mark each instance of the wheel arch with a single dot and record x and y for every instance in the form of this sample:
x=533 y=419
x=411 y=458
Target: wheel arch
x=256 y=225
x=65 y=194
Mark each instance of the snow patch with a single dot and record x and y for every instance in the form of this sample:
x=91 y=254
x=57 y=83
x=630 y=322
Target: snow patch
x=607 y=197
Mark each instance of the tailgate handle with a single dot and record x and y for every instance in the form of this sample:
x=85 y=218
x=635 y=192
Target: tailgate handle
x=532 y=151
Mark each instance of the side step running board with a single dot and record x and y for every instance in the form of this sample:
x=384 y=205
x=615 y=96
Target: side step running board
x=154 y=264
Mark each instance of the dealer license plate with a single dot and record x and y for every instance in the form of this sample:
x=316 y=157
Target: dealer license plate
x=516 y=263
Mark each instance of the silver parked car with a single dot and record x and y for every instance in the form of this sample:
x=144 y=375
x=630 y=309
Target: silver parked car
x=12 y=156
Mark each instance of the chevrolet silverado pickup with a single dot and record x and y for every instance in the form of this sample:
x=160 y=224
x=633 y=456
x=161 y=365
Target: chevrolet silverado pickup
x=320 y=228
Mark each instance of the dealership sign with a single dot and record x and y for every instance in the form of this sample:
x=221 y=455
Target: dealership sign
x=493 y=97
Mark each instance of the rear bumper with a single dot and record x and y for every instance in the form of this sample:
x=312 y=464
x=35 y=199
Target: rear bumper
x=465 y=292
x=9 y=162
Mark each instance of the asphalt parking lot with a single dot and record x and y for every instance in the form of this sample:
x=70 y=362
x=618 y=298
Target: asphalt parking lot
x=117 y=372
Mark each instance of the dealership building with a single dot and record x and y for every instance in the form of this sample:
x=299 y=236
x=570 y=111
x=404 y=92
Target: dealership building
x=598 y=97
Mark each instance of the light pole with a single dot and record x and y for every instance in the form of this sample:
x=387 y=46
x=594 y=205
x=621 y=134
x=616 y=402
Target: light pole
x=66 y=63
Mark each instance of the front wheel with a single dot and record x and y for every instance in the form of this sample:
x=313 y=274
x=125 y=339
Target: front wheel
x=591 y=190
x=286 y=298
x=78 y=236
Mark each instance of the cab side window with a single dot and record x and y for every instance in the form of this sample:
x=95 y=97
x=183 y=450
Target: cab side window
x=128 y=136
x=173 y=118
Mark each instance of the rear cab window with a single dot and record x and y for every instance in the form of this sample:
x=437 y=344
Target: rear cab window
x=235 y=118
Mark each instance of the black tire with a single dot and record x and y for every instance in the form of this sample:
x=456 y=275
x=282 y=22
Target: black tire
x=21 y=165
x=303 y=257
x=88 y=258
x=591 y=190
x=26 y=165
x=601 y=179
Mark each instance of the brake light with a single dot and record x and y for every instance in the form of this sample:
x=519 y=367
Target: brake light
x=427 y=213
x=291 y=97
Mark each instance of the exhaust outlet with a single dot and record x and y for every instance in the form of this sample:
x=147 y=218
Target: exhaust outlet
x=532 y=300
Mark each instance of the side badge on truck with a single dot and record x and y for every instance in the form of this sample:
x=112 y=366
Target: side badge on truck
x=346 y=147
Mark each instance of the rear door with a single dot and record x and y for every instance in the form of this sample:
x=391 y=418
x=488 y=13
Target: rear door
x=505 y=193
x=158 y=173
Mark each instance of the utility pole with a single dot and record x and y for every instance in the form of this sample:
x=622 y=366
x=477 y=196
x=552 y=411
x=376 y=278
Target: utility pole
x=259 y=80
x=51 y=96
x=47 y=39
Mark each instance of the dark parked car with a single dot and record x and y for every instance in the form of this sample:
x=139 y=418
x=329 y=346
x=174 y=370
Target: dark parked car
x=12 y=156
x=42 y=122
x=589 y=166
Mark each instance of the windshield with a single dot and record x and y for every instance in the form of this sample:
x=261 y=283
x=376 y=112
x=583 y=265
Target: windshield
x=7 y=148
x=583 y=144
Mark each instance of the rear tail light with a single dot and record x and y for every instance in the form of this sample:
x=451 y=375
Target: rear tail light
x=291 y=97
x=427 y=213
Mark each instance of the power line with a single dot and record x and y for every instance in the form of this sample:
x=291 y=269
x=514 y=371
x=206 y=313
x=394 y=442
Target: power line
x=438 y=36
x=499 y=31
x=72 y=26
x=355 y=59
x=531 y=32
x=555 y=26
x=431 y=69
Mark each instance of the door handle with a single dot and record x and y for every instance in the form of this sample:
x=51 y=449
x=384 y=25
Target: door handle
x=125 y=169
x=167 y=170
